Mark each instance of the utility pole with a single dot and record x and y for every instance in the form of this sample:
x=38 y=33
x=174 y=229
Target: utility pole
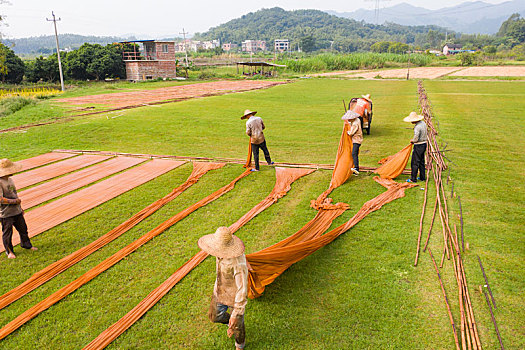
x=408 y=66
x=185 y=50
x=54 y=20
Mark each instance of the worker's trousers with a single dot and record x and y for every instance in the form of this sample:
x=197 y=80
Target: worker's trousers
x=19 y=223
x=218 y=313
x=418 y=162
x=355 y=155
x=255 y=151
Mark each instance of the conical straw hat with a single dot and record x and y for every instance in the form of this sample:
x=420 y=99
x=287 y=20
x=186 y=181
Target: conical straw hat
x=248 y=113
x=366 y=97
x=413 y=117
x=222 y=244
x=7 y=167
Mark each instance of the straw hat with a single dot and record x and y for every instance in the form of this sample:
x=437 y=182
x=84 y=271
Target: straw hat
x=350 y=115
x=7 y=167
x=222 y=244
x=413 y=117
x=366 y=97
x=248 y=113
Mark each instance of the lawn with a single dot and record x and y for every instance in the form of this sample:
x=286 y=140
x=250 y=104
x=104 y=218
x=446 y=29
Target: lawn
x=361 y=291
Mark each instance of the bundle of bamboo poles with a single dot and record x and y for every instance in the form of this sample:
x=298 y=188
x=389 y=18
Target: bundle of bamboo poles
x=468 y=332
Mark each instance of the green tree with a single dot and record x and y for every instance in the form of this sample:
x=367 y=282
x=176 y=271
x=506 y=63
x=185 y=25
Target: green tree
x=380 y=46
x=94 y=61
x=398 y=48
x=11 y=65
x=505 y=25
x=307 y=43
x=42 y=68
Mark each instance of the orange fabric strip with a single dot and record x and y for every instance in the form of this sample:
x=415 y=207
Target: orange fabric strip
x=56 y=169
x=44 y=275
x=394 y=165
x=112 y=260
x=284 y=178
x=55 y=188
x=52 y=214
x=42 y=159
x=248 y=163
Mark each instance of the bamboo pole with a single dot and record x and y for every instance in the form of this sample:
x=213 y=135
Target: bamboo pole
x=421 y=220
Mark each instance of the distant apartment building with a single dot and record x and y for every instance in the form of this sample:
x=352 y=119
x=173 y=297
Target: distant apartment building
x=229 y=46
x=253 y=45
x=281 y=45
x=196 y=45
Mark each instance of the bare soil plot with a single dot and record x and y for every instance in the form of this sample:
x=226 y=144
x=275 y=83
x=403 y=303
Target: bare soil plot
x=415 y=73
x=136 y=98
x=498 y=71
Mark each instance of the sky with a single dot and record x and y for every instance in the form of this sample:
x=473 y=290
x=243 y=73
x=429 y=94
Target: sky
x=156 y=19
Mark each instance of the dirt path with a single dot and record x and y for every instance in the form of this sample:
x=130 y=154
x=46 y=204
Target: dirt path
x=498 y=71
x=144 y=97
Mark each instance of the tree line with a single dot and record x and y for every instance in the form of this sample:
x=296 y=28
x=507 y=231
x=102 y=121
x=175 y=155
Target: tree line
x=89 y=62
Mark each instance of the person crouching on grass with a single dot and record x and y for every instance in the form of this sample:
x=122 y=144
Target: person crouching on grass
x=254 y=129
x=231 y=285
x=420 y=146
x=11 y=213
x=356 y=133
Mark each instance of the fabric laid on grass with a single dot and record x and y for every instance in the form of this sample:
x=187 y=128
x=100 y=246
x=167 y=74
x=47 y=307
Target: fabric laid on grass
x=112 y=260
x=52 y=214
x=57 y=187
x=43 y=159
x=394 y=165
x=284 y=178
x=343 y=163
x=44 y=275
x=56 y=169
x=269 y=263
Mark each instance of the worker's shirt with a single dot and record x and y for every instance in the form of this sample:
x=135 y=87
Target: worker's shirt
x=356 y=132
x=420 y=133
x=254 y=129
x=8 y=190
x=231 y=285
x=361 y=107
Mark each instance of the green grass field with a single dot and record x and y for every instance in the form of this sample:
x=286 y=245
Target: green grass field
x=360 y=292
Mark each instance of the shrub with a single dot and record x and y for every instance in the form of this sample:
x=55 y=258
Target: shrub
x=11 y=105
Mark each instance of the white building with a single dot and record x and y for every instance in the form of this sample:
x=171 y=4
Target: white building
x=281 y=45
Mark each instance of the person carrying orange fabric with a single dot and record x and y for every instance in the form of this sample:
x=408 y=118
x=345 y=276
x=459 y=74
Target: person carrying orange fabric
x=254 y=129
x=11 y=213
x=359 y=110
x=231 y=285
x=420 y=146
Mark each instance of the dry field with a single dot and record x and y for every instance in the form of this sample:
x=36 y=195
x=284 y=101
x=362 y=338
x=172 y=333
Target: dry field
x=143 y=97
x=501 y=71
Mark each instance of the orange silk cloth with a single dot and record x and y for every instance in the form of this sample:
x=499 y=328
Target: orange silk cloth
x=44 y=275
x=343 y=163
x=112 y=260
x=284 y=178
x=394 y=165
x=54 y=213
x=248 y=163
x=43 y=159
x=56 y=169
x=266 y=265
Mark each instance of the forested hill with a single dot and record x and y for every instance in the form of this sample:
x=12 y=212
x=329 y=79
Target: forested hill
x=314 y=28
x=46 y=44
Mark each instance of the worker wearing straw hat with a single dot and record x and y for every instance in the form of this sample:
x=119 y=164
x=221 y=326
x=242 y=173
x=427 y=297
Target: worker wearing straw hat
x=420 y=146
x=254 y=129
x=231 y=284
x=11 y=213
x=359 y=110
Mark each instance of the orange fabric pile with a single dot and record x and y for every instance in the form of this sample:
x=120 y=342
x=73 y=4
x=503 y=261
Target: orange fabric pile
x=56 y=169
x=52 y=214
x=44 y=275
x=112 y=260
x=343 y=163
x=284 y=178
x=55 y=188
x=248 y=163
x=394 y=165
x=266 y=265
x=42 y=159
